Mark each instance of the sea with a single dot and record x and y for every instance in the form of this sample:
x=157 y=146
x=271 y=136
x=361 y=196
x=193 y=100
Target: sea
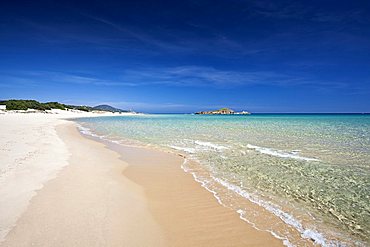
x=308 y=173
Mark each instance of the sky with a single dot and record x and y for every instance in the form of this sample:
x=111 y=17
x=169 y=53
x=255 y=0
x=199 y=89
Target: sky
x=186 y=56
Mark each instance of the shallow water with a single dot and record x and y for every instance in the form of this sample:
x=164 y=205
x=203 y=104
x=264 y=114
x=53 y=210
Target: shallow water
x=311 y=171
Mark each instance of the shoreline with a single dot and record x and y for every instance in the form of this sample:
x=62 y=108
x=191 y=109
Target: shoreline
x=174 y=209
x=188 y=213
x=250 y=210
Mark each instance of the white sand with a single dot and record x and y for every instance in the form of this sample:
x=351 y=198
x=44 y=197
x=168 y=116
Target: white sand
x=31 y=153
x=89 y=203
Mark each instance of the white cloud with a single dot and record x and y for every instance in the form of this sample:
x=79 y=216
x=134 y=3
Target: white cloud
x=183 y=76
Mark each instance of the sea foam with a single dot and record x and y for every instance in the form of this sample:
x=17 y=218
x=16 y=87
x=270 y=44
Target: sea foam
x=199 y=146
x=279 y=153
x=205 y=183
x=185 y=149
x=315 y=236
x=210 y=145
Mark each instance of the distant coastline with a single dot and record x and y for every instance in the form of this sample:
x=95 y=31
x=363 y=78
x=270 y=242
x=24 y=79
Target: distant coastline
x=33 y=105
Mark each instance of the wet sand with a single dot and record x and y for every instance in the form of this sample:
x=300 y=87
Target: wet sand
x=188 y=214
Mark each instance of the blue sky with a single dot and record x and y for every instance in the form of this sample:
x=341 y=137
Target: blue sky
x=185 y=56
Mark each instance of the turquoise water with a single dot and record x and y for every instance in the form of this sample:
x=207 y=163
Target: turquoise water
x=310 y=171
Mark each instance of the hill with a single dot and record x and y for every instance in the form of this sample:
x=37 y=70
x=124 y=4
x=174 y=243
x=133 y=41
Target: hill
x=107 y=108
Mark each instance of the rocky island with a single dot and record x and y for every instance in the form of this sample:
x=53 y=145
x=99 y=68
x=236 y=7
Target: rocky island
x=222 y=111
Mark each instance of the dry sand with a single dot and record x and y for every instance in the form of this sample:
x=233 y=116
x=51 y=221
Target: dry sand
x=90 y=203
x=117 y=196
x=31 y=153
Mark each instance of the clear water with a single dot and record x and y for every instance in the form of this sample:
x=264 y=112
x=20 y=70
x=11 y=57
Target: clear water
x=310 y=171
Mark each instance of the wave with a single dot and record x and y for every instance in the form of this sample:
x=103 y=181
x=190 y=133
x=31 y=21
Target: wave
x=288 y=219
x=199 y=147
x=187 y=150
x=86 y=131
x=204 y=182
x=315 y=236
x=210 y=145
x=279 y=153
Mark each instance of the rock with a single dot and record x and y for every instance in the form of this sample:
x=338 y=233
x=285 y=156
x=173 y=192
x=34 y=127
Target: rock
x=222 y=111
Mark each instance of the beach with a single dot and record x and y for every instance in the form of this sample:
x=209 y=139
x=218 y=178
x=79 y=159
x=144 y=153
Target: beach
x=185 y=123
x=302 y=178
x=60 y=188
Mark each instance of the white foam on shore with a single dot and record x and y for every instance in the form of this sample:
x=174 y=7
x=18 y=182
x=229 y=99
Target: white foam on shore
x=279 y=153
x=315 y=236
x=187 y=150
x=207 y=183
x=200 y=146
x=242 y=214
x=87 y=131
x=204 y=183
x=288 y=219
x=210 y=145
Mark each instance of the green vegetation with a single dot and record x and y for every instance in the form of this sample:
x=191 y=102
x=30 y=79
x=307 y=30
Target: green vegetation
x=107 y=108
x=24 y=105
x=33 y=104
x=80 y=107
x=222 y=111
x=55 y=105
x=225 y=109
